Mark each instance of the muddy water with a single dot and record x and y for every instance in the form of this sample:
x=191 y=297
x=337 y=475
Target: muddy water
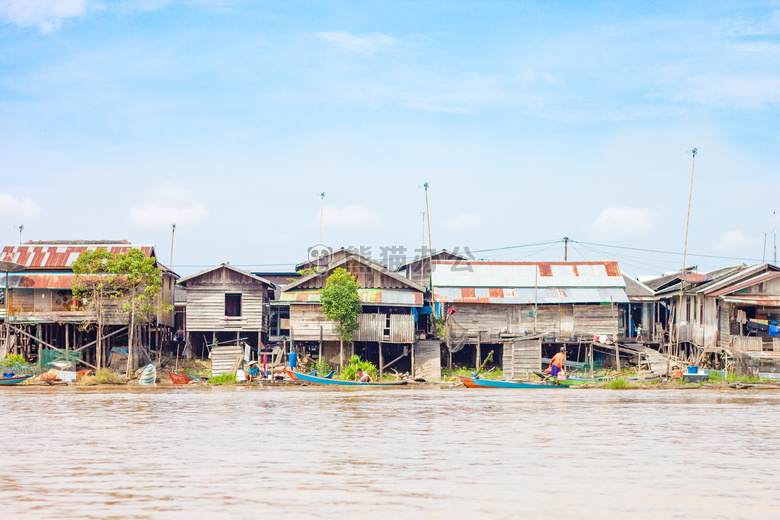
x=407 y=453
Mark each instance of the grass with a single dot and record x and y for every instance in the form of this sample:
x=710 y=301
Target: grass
x=104 y=376
x=224 y=379
x=617 y=384
x=449 y=375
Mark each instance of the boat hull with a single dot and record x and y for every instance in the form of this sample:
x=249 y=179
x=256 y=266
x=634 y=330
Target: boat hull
x=13 y=380
x=325 y=381
x=471 y=382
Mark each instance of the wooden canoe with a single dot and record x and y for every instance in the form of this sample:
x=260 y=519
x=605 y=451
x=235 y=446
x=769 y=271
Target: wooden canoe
x=471 y=382
x=15 y=380
x=308 y=378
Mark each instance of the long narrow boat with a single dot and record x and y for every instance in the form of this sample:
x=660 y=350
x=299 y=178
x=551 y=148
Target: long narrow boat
x=15 y=380
x=325 y=381
x=472 y=382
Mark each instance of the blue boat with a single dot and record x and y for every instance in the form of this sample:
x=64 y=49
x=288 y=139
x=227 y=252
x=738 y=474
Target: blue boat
x=473 y=382
x=326 y=381
x=13 y=380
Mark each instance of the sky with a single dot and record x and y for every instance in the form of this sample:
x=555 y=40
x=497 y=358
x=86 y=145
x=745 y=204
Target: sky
x=530 y=122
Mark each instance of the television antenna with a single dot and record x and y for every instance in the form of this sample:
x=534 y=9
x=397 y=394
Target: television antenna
x=20 y=227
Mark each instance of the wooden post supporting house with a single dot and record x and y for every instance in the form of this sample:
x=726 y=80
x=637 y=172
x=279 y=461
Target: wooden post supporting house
x=381 y=360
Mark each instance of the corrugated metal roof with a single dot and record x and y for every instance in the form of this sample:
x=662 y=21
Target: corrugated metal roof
x=367 y=297
x=752 y=281
x=767 y=301
x=527 y=274
x=525 y=295
x=38 y=281
x=59 y=255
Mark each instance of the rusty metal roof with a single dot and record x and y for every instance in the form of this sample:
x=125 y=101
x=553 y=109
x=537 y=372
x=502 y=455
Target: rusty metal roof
x=766 y=301
x=60 y=254
x=526 y=295
x=527 y=274
x=367 y=297
x=49 y=280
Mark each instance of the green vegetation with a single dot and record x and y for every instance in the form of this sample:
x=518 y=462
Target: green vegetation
x=449 y=375
x=224 y=379
x=322 y=367
x=732 y=377
x=103 y=376
x=341 y=302
x=617 y=384
x=439 y=328
x=355 y=363
x=13 y=359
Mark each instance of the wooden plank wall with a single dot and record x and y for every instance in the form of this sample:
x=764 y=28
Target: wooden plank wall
x=427 y=360
x=223 y=359
x=724 y=325
x=368 y=278
x=522 y=357
x=206 y=302
x=371 y=326
x=401 y=328
x=305 y=321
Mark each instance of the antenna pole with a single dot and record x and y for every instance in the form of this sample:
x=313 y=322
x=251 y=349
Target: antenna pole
x=682 y=282
x=763 y=257
x=430 y=247
x=21 y=228
x=565 y=249
x=774 y=231
x=319 y=242
x=422 y=252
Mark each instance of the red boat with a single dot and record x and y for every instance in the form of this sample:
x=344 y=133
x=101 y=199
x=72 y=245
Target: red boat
x=179 y=379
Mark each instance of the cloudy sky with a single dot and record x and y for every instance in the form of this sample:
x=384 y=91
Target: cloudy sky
x=530 y=121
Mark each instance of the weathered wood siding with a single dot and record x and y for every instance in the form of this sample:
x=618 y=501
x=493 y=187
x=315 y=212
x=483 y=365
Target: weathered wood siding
x=563 y=321
x=368 y=278
x=724 y=325
x=223 y=359
x=522 y=357
x=371 y=326
x=206 y=302
x=427 y=360
x=305 y=323
x=401 y=328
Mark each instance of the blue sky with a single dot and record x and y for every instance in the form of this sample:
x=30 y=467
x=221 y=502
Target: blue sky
x=530 y=120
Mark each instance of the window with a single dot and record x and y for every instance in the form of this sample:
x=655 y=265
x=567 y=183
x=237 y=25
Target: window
x=232 y=305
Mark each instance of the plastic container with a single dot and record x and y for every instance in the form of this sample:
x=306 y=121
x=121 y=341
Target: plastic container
x=693 y=370
x=678 y=373
x=293 y=359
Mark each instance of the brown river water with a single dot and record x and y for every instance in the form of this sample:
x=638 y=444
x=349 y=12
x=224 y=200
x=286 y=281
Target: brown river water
x=414 y=452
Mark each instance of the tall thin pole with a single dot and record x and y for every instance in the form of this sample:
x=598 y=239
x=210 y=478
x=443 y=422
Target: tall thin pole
x=173 y=296
x=685 y=250
x=565 y=249
x=430 y=248
x=774 y=231
x=21 y=228
x=319 y=241
x=422 y=252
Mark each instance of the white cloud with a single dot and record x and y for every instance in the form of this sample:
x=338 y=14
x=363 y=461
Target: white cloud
x=462 y=222
x=9 y=205
x=361 y=43
x=169 y=205
x=44 y=14
x=351 y=216
x=623 y=222
x=737 y=241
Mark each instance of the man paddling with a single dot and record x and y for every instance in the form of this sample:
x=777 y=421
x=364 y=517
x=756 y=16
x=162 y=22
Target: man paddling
x=556 y=365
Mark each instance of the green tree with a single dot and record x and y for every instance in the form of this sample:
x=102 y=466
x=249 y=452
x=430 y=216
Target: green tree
x=141 y=284
x=94 y=286
x=341 y=303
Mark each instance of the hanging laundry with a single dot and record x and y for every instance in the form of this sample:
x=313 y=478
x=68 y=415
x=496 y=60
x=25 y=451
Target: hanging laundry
x=774 y=330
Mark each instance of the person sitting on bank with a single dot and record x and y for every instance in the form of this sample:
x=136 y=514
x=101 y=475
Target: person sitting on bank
x=556 y=365
x=362 y=377
x=253 y=372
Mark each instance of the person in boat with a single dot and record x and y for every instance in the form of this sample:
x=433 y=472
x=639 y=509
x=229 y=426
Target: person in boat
x=556 y=365
x=252 y=372
x=362 y=377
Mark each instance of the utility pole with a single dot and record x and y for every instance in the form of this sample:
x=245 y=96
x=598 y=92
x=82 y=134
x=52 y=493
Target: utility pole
x=430 y=248
x=682 y=282
x=565 y=249
x=21 y=228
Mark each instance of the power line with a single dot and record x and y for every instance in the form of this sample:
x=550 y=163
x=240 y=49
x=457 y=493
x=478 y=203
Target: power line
x=667 y=252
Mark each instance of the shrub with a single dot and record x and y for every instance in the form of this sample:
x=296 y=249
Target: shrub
x=224 y=379
x=350 y=370
x=617 y=384
x=104 y=376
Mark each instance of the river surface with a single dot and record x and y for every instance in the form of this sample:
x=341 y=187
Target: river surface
x=449 y=453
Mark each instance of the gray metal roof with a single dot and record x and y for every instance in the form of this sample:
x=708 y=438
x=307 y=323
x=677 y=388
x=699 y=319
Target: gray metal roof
x=526 y=295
